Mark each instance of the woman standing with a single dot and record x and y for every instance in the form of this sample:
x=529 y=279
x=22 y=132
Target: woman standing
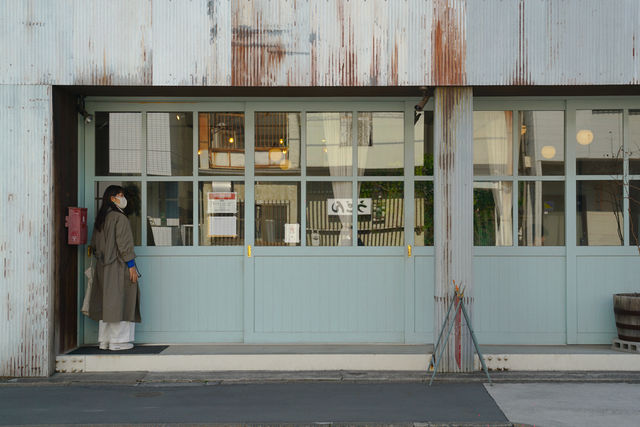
x=115 y=298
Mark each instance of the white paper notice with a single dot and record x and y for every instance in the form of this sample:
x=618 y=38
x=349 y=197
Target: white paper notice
x=222 y=226
x=222 y=202
x=292 y=233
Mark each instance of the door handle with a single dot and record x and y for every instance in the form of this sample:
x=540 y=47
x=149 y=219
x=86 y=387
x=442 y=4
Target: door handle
x=409 y=250
x=249 y=251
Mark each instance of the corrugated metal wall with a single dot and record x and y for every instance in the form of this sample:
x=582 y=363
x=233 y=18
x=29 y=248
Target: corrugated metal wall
x=25 y=230
x=319 y=43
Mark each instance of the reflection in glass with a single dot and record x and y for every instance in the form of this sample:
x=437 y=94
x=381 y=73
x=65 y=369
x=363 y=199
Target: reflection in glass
x=329 y=214
x=119 y=143
x=423 y=231
x=541 y=213
x=423 y=144
x=634 y=212
x=599 y=213
x=221 y=143
x=380 y=143
x=277 y=213
x=170 y=213
x=598 y=142
x=132 y=192
x=382 y=220
x=541 y=150
x=169 y=143
x=329 y=144
x=633 y=145
x=221 y=216
x=492 y=143
x=492 y=213
x=277 y=144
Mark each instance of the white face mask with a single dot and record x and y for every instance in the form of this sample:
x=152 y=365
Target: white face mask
x=120 y=202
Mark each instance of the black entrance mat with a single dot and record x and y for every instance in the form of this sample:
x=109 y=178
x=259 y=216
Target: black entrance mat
x=138 y=349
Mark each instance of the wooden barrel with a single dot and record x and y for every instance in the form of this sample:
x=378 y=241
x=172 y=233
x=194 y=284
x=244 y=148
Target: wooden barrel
x=626 y=308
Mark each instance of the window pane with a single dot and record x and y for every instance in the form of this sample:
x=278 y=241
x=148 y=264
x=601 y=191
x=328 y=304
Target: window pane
x=329 y=214
x=423 y=231
x=599 y=213
x=221 y=217
x=170 y=144
x=423 y=144
x=634 y=212
x=492 y=143
x=382 y=219
x=541 y=213
x=541 y=143
x=119 y=144
x=633 y=145
x=381 y=143
x=598 y=142
x=492 y=214
x=277 y=213
x=170 y=214
x=277 y=144
x=132 y=192
x=221 y=143
x=329 y=144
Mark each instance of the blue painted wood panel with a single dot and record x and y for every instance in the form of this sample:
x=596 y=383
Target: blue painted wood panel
x=309 y=299
x=423 y=297
x=598 y=278
x=188 y=299
x=520 y=299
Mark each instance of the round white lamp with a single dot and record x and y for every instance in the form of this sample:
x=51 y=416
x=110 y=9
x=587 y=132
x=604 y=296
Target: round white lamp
x=548 y=151
x=584 y=137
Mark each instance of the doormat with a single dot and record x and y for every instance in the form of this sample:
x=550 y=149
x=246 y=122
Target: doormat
x=138 y=349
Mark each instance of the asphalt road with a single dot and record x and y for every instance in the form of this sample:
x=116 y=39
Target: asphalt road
x=249 y=403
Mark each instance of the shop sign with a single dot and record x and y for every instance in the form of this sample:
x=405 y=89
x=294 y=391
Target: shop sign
x=345 y=206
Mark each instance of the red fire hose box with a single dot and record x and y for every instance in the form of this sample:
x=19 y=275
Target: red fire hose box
x=76 y=223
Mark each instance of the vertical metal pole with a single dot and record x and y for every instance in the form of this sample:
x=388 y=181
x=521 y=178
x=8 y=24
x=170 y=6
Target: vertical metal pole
x=453 y=216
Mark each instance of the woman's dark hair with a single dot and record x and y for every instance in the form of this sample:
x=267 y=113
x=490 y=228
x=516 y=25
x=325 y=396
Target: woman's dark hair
x=107 y=205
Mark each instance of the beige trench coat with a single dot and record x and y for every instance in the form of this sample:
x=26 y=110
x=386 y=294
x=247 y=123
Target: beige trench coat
x=114 y=297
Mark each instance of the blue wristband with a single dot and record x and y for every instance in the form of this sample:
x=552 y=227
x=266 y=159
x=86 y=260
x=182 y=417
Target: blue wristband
x=131 y=263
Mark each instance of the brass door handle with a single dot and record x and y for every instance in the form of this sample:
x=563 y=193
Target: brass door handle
x=249 y=251
x=409 y=250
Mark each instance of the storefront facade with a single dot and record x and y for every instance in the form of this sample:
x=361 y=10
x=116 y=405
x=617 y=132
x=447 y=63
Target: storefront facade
x=283 y=188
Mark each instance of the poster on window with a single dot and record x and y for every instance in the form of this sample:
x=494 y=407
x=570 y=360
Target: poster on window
x=345 y=206
x=292 y=233
x=222 y=226
x=222 y=202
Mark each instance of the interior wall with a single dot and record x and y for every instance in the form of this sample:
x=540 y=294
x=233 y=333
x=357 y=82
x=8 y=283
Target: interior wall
x=65 y=194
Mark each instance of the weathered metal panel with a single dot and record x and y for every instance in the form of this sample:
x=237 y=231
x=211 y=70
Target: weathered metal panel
x=453 y=217
x=25 y=230
x=192 y=43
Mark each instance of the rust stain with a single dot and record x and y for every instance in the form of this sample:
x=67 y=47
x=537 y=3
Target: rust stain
x=448 y=43
x=521 y=76
x=394 y=66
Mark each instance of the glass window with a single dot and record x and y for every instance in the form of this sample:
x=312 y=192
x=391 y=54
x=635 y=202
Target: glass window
x=633 y=145
x=492 y=213
x=329 y=213
x=382 y=220
x=221 y=216
x=277 y=213
x=598 y=142
x=634 y=212
x=277 y=144
x=132 y=192
x=423 y=231
x=119 y=144
x=599 y=213
x=381 y=143
x=221 y=143
x=329 y=144
x=423 y=144
x=541 y=213
x=170 y=144
x=170 y=213
x=492 y=143
x=541 y=150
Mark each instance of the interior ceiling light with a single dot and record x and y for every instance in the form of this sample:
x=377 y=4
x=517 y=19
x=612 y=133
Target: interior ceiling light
x=548 y=151
x=584 y=137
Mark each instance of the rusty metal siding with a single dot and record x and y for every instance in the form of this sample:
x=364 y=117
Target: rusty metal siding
x=25 y=230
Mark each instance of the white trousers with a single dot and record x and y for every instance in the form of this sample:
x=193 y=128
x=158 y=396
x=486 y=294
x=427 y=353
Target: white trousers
x=116 y=332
